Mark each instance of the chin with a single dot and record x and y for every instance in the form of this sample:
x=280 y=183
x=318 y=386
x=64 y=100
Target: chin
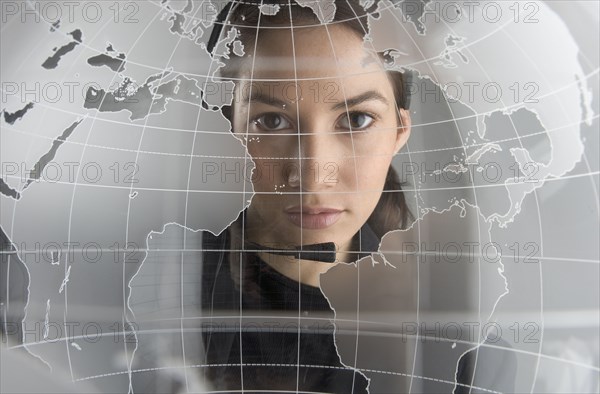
x=336 y=234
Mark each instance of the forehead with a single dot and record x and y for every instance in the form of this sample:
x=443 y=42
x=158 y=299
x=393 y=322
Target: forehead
x=312 y=53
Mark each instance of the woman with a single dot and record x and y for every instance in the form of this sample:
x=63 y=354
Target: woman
x=322 y=120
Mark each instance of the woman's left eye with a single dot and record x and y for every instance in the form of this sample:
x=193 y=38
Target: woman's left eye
x=356 y=120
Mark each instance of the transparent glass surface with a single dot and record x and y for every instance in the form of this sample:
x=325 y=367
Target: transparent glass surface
x=392 y=196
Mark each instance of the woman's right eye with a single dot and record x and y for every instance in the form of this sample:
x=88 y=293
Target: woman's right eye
x=272 y=122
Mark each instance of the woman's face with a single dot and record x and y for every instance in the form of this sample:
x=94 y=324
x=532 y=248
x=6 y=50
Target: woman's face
x=321 y=123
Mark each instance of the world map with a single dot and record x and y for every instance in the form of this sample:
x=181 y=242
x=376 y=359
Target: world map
x=115 y=151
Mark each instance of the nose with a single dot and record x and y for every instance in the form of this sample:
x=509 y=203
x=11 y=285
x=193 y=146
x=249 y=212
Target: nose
x=314 y=167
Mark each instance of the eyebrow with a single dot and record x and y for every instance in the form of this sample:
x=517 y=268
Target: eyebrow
x=370 y=95
x=266 y=99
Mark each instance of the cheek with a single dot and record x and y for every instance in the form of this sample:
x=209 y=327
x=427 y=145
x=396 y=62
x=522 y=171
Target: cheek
x=372 y=168
x=267 y=172
x=371 y=176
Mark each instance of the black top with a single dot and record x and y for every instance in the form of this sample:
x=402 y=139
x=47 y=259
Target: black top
x=294 y=350
x=301 y=323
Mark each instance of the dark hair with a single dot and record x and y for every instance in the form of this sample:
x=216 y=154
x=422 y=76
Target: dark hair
x=392 y=211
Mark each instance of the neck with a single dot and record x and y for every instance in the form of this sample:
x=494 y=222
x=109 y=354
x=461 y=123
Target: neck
x=304 y=271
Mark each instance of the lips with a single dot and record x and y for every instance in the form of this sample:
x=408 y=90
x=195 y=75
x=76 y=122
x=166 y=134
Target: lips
x=313 y=218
